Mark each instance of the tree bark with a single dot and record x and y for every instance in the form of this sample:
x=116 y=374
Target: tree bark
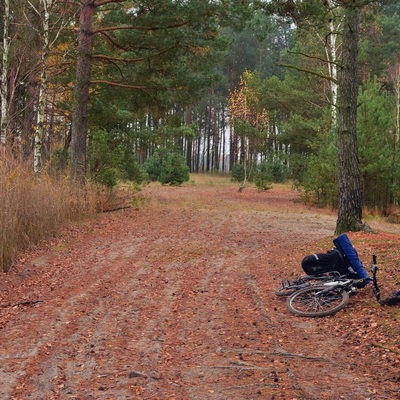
x=81 y=93
x=350 y=209
x=42 y=102
x=189 y=142
x=4 y=78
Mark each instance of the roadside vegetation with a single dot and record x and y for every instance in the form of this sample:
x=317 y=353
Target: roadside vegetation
x=36 y=207
x=33 y=208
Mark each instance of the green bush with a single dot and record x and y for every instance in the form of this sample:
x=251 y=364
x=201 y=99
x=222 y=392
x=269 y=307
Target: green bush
x=263 y=177
x=153 y=166
x=110 y=160
x=278 y=171
x=320 y=179
x=107 y=177
x=239 y=173
x=132 y=171
x=174 y=170
x=167 y=168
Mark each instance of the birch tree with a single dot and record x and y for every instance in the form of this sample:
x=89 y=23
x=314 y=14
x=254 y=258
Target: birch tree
x=4 y=78
x=323 y=21
x=41 y=109
x=331 y=45
x=49 y=34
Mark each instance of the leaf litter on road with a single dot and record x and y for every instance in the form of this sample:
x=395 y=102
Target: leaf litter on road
x=176 y=299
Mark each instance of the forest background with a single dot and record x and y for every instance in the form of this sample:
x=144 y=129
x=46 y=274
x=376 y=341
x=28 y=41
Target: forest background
x=158 y=89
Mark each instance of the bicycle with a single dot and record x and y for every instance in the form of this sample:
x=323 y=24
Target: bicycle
x=329 y=297
x=289 y=287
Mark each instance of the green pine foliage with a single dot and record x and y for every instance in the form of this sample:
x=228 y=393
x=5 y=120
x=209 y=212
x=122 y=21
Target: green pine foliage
x=377 y=146
x=110 y=160
x=238 y=173
x=174 y=170
x=153 y=166
x=169 y=168
x=263 y=177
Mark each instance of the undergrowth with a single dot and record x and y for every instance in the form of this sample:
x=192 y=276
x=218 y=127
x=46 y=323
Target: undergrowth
x=33 y=207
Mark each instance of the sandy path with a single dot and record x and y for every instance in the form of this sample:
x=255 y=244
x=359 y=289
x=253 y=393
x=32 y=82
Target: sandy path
x=174 y=300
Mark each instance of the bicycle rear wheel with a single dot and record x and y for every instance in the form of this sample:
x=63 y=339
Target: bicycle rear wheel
x=317 y=301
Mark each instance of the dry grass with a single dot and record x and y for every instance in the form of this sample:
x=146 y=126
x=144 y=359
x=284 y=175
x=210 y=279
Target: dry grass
x=33 y=208
x=211 y=180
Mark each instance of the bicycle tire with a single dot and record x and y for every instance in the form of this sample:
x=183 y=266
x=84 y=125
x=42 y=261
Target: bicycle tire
x=309 y=302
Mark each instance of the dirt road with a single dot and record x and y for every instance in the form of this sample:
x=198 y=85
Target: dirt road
x=175 y=299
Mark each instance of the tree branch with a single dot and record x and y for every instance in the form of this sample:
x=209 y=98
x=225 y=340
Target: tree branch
x=324 y=60
x=309 y=72
x=385 y=347
x=104 y=2
x=111 y=40
x=106 y=58
x=21 y=303
x=121 y=85
x=139 y=28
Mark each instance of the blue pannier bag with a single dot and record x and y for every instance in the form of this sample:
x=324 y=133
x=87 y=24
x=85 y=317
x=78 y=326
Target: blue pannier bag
x=343 y=244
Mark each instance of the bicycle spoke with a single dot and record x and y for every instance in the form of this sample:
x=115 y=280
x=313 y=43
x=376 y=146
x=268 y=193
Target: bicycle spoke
x=316 y=301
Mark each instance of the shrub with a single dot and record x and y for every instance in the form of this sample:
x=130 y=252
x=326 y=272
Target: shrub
x=107 y=177
x=110 y=160
x=263 y=177
x=167 y=168
x=133 y=171
x=153 y=167
x=174 y=170
x=237 y=173
x=278 y=171
x=240 y=173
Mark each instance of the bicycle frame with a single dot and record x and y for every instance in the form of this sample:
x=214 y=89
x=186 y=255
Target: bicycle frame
x=374 y=270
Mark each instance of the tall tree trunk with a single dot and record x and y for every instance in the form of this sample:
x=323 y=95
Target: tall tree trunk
x=332 y=56
x=29 y=117
x=42 y=103
x=396 y=135
x=4 y=77
x=81 y=93
x=208 y=136
x=232 y=145
x=397 y=118
x=215 y=166
x=189 y=141
x=331 y=46
x=223 y=141
x=350 y=210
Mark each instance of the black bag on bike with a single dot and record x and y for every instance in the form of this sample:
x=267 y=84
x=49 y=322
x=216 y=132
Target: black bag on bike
x=318 y=264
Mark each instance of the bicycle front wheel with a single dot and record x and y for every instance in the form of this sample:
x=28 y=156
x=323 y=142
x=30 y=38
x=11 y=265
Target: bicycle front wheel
x=317 y=301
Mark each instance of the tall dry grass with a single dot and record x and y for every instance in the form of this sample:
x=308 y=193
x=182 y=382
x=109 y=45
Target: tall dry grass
x=35 y=207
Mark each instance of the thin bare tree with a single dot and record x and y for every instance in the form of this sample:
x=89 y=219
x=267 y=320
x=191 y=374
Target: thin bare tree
x=4 y=78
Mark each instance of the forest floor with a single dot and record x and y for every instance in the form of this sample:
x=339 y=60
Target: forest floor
x=175 y=299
